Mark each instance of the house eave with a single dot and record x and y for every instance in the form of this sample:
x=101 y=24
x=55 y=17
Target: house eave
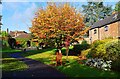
x=104 y=24
x=109 y=20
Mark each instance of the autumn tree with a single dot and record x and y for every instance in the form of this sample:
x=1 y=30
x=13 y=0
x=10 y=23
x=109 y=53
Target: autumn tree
x=57 y=22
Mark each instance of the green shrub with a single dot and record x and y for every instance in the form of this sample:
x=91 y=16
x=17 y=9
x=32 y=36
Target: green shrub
x=108 y=50
x=85 y=52
x=33 y=44
x=94 y=48
x=116 y=65
x=79 y=47
x=21 y=41
x=5 y=44
x=12 y=42
x=96 y=43
x=100 y=50
x=112 y=50
x=84 y=42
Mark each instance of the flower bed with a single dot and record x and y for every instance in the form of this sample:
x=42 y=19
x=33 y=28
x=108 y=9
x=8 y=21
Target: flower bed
x=99 y=63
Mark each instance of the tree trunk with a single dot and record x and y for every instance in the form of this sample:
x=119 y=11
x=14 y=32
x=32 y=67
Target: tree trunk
x=67 y=51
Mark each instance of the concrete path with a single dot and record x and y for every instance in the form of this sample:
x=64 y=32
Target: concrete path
x=36 y=70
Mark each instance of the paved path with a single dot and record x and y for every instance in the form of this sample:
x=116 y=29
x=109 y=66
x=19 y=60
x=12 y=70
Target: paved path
x=36 y=70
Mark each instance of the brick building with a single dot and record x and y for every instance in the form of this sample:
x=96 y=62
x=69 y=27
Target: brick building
x=106 y=28
x=19 y=34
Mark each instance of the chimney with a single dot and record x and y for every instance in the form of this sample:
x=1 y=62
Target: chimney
x=7 y=30
x=16 y=34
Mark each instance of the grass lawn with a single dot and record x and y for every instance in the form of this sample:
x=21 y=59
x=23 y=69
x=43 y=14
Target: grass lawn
x=71 y=68
x=9 y=50
x=11 y=64
x=74 y=69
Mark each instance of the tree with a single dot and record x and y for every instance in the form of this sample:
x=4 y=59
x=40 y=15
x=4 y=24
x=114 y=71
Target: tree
x=117 y=6
x=4 y=34
x=57 y=22
x=12 y=42
x=95 y=11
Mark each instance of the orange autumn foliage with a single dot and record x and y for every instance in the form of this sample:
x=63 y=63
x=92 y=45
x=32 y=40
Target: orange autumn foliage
x=56 y=20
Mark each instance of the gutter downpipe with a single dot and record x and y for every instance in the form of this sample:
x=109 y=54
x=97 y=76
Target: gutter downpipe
x=98 y=34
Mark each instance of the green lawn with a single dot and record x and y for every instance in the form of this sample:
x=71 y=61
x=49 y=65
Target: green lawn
x=11 y=64
x=45 y=55
x=9 y=50
x=74 y=69
x=71 y=68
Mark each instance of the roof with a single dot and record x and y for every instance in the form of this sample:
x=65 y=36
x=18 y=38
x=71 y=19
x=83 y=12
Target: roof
x=18 y=31
x=24 y=36
x=110 y=19
x=11 y=34
x=23 y=33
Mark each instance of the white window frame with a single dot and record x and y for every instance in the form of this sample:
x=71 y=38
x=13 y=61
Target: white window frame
x=106 y=28
x=95 y=31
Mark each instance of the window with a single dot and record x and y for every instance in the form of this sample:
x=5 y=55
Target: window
x=95 y=31
x=106 y=28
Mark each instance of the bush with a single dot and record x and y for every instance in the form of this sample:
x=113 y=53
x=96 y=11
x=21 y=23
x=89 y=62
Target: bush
x=5 y=44
x=96 y=43
x=113 y=50
x=116 y=65
x=12 y=42
x=76 y=49
x=100 y=51
x=22 y=41
x=106 y=50
x=79 y=47
x=85 y=52
x=94 y=48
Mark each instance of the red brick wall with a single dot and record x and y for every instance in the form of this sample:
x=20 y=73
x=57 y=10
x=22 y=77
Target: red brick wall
x=94 y=36
x=113 y=31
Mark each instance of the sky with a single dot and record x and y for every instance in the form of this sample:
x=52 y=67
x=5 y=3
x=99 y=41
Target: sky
x=17 y=15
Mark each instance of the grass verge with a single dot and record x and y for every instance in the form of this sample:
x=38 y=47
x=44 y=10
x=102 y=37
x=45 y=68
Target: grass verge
x=11 y=64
